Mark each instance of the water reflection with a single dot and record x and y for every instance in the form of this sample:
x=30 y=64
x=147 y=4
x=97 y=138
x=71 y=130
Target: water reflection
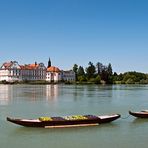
x=140 y=121
x=15 y=93
x=100 y=91
x=52 y=92
x=5 y=94
x=77 y=92
x=88 y=93
x=30 y=92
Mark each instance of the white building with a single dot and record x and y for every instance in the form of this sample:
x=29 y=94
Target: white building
x=10 y=71
x=53 y=74
x=68 y=75
x=33 y=72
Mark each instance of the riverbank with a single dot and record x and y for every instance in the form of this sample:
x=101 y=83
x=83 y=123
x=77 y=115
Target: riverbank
x=65 y=82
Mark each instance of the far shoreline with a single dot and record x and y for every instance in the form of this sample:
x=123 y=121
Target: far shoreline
x=40 y=82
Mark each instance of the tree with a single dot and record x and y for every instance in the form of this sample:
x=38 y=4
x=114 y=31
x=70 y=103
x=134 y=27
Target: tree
x=120 y=77
x=99 y=67
x=115 y=74
x=80 y=71
x=104 y=74
x=109 y=69
x=133 y=77
x=82 y=78
x=75 y=69
x=90 y=70
x=97 y=80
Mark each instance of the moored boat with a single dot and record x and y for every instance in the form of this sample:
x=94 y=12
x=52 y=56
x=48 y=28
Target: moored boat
x=141 y=114
x=66 y=121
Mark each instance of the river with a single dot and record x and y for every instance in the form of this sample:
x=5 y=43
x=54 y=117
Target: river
x=33 y=101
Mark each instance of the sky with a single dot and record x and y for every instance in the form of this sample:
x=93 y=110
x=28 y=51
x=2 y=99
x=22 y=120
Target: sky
x=75 y=32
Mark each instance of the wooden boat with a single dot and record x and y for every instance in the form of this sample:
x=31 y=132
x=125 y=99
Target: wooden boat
x=67 y=121
x=141 y=114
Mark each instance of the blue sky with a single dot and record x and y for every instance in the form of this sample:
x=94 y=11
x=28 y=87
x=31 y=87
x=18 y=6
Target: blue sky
x=75 y=31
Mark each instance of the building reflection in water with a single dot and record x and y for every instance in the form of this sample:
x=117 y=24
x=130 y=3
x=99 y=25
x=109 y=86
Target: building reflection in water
x=5 y=94
x=52 y=92
x=27 y=92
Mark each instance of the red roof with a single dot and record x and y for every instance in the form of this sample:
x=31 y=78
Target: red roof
x=29 y=66
x=53 y=69
x=7 y=64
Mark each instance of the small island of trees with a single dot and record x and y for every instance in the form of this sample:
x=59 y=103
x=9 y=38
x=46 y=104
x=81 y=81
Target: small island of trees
x=102 y=74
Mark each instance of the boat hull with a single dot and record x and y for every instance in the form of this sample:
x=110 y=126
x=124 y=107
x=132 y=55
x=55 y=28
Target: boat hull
x=64 y=123
x=142 y=114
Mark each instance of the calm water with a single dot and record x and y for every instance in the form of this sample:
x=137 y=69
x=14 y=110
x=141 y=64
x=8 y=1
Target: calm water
x=33 y=101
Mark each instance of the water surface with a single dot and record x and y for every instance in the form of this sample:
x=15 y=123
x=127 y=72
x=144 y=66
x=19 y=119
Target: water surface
x=33 y=101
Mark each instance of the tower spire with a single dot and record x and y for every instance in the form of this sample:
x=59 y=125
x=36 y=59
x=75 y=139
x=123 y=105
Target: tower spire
x=49 y=63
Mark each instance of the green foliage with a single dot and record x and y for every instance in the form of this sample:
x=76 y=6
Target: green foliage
x=144 y=81
x=81 y=71
x=82 y=79
x=97 y=80
x=104 y=74
x=133 y=77
x=75 y=69
x=129 y=81
x=109 y=69
x=90 y=70
x=99 y=68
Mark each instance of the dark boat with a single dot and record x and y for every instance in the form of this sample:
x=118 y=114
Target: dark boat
x=141 y=114
x=67 y=121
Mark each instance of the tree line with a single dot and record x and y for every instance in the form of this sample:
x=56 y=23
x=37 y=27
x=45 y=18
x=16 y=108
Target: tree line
x=100 y=73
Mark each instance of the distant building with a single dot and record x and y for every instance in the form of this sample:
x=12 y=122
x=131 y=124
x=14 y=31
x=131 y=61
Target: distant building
x=53 y=74
x=12 y=71
x=68 y=75
x=33 y=71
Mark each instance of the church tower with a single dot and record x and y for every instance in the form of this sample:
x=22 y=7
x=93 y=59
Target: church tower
x=49 y=63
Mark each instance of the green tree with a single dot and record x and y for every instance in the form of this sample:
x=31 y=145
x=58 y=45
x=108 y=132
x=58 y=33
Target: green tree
x=109 y=69
x=90 y=70
x=120 y=77
x=75 y=69
x=99 y=68
x=98 y=79
x=82 y=79
x=133 y=77
x=81 y=71
x=104 y=74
